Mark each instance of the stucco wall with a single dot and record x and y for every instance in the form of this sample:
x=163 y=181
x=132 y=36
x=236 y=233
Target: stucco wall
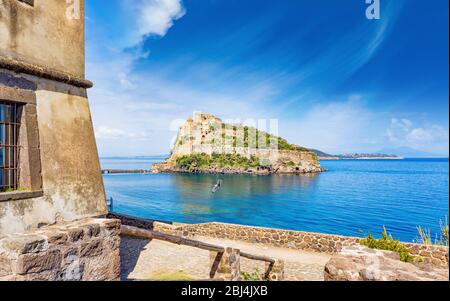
x=49 y=38
x=71 y=178
x=43 y=34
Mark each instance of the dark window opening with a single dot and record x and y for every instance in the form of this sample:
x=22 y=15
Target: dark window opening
x=10 y=114
x=29 y=2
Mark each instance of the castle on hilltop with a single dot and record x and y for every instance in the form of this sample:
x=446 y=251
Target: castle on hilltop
x=208 y=135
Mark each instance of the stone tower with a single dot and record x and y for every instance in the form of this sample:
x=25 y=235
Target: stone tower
x=49 y=166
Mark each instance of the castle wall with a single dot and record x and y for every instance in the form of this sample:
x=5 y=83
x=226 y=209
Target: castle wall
x=71 y=181
x=282 y=155
x=205 y=134
x=49 y=33
x=42 y=69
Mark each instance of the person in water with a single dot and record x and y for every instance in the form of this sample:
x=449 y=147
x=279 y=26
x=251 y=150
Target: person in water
x=217 y=186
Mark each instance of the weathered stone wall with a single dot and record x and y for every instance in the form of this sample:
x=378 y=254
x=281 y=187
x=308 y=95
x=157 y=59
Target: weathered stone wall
x=275 y=237
x=50 y=33
x=435 y=255
x=309 y=241
x=317 y=242
x=83 y=250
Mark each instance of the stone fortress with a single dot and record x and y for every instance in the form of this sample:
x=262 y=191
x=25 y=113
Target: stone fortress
x=52 y=186
x=207 y=134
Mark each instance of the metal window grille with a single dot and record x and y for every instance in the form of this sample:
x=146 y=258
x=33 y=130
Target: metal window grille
x=9 y=145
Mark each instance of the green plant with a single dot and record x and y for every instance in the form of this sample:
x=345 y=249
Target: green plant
x=290 y=163
x=424 y=236
x=170 y=276
x=199 y=161
x=388 y=243
x=18 y=189
x=444 y=232
x=254 y=276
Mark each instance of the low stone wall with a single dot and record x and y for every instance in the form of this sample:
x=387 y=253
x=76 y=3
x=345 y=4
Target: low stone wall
x=317 y=242
x=274 y=237
x=435 y=255
x=87 y=249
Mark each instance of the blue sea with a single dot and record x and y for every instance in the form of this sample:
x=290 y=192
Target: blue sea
x=352 y=198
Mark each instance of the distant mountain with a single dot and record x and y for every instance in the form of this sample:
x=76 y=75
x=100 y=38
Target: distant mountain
x=408 y=152
x=321 y=153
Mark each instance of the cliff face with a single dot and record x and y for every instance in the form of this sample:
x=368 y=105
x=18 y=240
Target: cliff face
x=206 y=144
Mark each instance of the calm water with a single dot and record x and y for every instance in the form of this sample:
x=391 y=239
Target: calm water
x=353 y=197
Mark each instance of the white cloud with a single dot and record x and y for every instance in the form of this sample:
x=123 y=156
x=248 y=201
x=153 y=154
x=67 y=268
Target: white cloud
x=103 y=132
x=108 y=133
x=336 y=127
x=403 y=132
x=157 y=16
x=152 y=17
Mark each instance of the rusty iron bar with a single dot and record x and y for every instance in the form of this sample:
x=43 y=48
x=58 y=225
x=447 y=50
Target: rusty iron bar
x=9 y=147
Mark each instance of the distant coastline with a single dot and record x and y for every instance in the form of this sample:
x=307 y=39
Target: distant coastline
x=356 y=156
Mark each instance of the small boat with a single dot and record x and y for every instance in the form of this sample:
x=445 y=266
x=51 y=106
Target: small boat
x=217 y=186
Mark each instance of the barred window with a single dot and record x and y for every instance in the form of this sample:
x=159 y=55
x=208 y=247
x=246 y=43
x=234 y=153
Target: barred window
x=9 y=146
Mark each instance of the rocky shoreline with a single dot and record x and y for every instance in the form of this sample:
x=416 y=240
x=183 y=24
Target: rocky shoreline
x=166 y=168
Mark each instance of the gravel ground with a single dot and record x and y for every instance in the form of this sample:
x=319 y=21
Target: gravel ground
x=153 y=260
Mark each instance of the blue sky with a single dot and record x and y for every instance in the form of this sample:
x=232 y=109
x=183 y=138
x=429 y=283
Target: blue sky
x=335 y=80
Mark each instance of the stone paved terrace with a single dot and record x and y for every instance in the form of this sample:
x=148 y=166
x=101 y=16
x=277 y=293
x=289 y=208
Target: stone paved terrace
x=151 y=260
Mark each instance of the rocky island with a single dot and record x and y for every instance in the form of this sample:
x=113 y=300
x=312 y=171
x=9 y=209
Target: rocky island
x=205 y=144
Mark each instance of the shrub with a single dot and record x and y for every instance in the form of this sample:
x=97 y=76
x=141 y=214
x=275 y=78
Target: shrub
x=424 y=236
x=388 y=243
x=195 y=161
x=255 y=276
x=444 y=232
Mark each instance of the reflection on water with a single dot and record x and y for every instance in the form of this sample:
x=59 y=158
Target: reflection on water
x=240 y=186
x=238 y=193
x=352 y=196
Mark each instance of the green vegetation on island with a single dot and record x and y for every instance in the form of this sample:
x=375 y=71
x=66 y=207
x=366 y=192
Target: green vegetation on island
x=203 y=161
x=244 y=136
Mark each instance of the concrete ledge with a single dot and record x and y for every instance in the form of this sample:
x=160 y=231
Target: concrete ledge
x=20 y=195
x=44 y=72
